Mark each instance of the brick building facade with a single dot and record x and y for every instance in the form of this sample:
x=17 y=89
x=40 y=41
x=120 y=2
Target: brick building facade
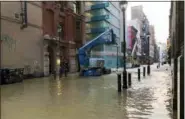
x=63 y=44
x=29 y=37
x=138 y=13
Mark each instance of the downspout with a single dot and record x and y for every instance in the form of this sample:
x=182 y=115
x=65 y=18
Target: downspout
x=24 y=14
x=0 y=39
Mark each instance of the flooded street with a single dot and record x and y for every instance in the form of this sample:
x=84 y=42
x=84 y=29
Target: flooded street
x=88 y=98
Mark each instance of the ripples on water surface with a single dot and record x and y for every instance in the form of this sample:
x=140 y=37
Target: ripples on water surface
x=92 y=98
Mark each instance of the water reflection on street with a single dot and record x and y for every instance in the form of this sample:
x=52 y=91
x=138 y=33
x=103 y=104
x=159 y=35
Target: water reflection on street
x=88 y=98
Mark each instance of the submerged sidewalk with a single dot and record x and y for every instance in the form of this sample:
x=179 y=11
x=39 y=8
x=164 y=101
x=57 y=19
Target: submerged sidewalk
x=89 y=98
x=152 y=94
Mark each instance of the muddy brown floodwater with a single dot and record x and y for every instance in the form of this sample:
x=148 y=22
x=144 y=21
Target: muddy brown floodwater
x=88 y=98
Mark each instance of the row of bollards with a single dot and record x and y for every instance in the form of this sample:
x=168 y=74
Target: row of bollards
x=129 y=79
x=124 y=81
x=144 y=72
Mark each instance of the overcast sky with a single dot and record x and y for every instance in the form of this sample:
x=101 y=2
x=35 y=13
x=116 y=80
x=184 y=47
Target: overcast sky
x=157 y=14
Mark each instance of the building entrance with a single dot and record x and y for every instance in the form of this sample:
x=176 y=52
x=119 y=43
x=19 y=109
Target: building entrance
x=51 y=59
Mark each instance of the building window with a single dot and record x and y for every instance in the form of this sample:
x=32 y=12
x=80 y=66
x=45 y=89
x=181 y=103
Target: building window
x=61 y=33
x=76 y=7
x=63 y=5
x=77 y=24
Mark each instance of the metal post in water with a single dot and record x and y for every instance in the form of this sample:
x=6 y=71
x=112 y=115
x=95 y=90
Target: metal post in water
x=148 y=69
x=119 y=82
x=144 y=71
x=139 y=74
x=124 y=80
x=129 y=79
x=123 y=5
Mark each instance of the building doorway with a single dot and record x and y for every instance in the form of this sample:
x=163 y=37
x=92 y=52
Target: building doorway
x=51 y=60
x=62 y=53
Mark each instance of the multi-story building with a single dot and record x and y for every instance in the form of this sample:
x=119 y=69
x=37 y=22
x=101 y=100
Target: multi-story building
x=138 y=13
x=133 y=31
x=156 y=53
x=145 y=38
x=63 y=31
x=163 y=51
x=176 y=30
x=168 y=43
x=35 y=34
x=152 y=41
x=21 y=36
x=67 y=17
x=101 y=16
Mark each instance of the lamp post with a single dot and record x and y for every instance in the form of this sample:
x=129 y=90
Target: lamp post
x=148 y=67
x=117 y=57
x=123 y=5
x=59 y=30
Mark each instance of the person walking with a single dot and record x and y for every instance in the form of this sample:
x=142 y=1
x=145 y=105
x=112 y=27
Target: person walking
x=66 y=67
x=61 y=67
x=61 y=70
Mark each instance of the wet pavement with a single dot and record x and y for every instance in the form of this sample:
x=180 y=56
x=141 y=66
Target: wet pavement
x=89 y=98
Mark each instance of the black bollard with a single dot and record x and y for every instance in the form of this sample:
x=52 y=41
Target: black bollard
x=125 y=79
x=129 y=79
x=144 y=71
x=139 y=74
x=148 y=69
x=119 y=82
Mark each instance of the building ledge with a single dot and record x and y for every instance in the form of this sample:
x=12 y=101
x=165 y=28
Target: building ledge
x=99 y=6
x=97 y=18
x=62 y=14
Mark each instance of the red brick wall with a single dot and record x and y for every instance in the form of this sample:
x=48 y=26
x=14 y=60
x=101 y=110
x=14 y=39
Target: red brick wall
x=50 y=24
x=50 y=18
x=69 y=28
x=69 y=25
